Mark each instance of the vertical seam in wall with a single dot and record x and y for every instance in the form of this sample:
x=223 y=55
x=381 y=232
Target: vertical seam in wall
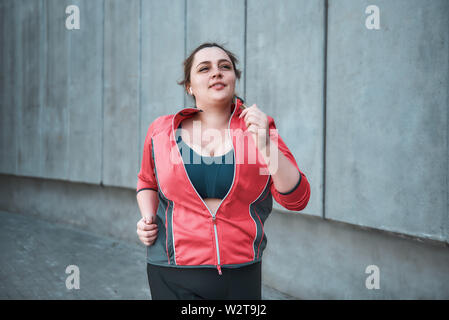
x=244 y=50
x=19 y=79
x=42 y=75
x=446 y=236
x=185 y=44
x=46 y=86
x=139 y=138
x=102 y=97
x=326 y=4
x=67 y=106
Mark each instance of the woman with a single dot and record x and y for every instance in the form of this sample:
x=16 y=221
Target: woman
x=203 y=203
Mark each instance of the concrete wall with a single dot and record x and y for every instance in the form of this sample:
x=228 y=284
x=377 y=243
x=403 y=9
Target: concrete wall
x=51 y=91
x=365 y=113
x=285 y=77
x=387 y=117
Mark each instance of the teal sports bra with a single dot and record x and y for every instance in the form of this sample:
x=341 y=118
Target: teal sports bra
x=211 y=176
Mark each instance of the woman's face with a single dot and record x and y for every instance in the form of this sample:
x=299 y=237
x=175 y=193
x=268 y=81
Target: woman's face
x=212 y=77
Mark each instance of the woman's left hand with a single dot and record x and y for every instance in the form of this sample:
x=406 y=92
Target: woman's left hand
x=257 y=123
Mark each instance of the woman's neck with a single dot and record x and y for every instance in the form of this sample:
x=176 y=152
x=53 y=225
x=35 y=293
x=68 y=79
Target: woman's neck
x=214 y=116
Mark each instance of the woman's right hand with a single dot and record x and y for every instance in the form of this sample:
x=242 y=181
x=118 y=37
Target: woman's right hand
x=147 y=230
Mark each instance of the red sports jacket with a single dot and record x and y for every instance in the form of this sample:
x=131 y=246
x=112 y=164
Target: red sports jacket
x=189 y=234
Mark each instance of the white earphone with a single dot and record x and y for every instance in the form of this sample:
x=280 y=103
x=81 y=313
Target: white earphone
x=191 y=92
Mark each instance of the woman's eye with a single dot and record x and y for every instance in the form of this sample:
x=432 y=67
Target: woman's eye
x=223 y=66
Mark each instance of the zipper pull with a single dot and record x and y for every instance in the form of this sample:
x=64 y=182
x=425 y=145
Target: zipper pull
x=219 y=270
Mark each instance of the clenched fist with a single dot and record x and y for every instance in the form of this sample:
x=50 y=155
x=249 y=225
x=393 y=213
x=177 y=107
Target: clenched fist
x=147 y=230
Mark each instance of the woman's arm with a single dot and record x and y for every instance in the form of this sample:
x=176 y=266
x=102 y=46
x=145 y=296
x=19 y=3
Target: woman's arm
x=289 y=186
x=284 y=173
x=147 y=227
x=148 y=202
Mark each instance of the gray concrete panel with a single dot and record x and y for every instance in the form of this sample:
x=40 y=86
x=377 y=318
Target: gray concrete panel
x=162 y=29
x=27 y=20
x=387 y=117
x=8 y=81
x=85 y=94
x=121 y=92
x=54 y=157
x=217 y=21
x=285 y=55
x=53 y=81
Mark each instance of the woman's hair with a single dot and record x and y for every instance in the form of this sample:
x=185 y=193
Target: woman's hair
x=189 y=61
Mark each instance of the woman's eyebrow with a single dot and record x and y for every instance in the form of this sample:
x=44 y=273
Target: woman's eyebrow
x=208 y=62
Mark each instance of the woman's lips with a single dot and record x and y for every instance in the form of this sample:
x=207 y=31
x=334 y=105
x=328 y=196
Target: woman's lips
x=218 y=86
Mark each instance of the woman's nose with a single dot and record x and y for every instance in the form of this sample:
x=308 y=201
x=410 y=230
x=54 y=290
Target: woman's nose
x=216 y=72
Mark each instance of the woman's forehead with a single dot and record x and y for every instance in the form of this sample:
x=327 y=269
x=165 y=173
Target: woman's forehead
x=210 y=54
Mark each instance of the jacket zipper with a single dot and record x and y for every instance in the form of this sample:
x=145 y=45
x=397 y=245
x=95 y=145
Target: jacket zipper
x=213 y=215
x=216 y=245
x=233 y=179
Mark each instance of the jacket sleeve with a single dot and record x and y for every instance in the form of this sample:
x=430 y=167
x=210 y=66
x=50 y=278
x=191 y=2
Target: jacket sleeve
x=297 y=198
x=146 y=178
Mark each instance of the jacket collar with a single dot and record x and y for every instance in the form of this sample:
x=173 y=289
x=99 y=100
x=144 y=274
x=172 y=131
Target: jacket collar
x=189 y=112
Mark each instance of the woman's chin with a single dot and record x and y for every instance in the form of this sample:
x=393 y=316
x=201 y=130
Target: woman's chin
x=221 y=96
